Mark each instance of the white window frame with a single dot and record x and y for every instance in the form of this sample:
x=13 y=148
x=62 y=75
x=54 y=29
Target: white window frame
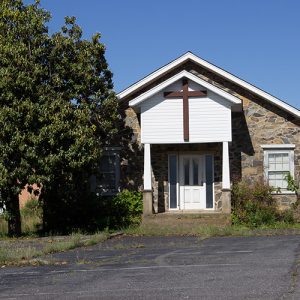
x=275 y=149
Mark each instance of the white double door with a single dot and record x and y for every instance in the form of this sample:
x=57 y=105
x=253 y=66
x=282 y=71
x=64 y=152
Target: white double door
x=192 y=182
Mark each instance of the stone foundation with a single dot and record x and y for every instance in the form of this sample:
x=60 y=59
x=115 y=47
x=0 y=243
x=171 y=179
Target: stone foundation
x=284 y=201
x=147 y=203
x=226 y=201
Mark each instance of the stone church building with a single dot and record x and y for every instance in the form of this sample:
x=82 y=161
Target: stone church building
x=195 y=129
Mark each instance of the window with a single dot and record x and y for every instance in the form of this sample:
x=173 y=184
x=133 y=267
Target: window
x=278 y=163
x=108 y=179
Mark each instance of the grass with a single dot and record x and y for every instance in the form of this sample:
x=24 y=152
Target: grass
x=25 y=251
x=152 y=227
x=3 y=226
x=30 y=224
x=32 y=250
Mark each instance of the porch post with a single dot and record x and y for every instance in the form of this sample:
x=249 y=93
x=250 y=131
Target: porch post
x=147 y=194
x=225 y=167
x=226 y=193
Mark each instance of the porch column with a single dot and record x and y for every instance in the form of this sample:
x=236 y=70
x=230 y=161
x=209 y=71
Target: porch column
x=225 y=167
x=147 y=194
x=226 y=193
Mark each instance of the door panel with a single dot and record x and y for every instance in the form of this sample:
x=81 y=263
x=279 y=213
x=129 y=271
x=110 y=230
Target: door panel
x=187 y=195
x=196 y=195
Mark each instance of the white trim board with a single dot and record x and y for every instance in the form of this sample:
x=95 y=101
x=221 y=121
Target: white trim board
x=278 y=146
x=192 y=57
x=185 y=74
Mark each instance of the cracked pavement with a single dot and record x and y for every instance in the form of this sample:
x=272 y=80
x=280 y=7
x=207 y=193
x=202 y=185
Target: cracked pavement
x=165 y=268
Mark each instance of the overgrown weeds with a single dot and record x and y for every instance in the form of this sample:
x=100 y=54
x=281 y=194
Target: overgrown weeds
x=24 y=251
x=254 y=205
x=206 y=231
x=31 y=219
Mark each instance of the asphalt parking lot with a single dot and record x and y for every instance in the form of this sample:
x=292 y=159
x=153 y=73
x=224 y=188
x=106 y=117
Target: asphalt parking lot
x=164 y=268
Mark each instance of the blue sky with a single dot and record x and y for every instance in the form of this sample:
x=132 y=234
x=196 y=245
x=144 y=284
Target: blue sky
x=258 y=41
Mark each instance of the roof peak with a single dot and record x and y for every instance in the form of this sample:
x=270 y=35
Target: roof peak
x=196 y=59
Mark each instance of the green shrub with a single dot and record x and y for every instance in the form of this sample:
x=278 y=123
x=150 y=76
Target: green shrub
x=126 y=208
x=90 y=212
x=253 y=204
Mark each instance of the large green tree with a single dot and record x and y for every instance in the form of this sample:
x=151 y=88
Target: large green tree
x=57 y=108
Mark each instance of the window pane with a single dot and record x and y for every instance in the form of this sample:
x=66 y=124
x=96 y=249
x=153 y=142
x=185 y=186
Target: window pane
x=108 y=181
x=186 y=166
x=209 y=180
x=272 y=166
x=278 y=158
x=173 y=180
x=272 y=175
x=195 y=171
x=271 y=158
x=107 y=163
x=285 y=158
x=285 y=167
x=277 y=179
x=279 y=162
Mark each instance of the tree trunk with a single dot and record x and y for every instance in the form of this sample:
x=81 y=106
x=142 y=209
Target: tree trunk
x=14 y=220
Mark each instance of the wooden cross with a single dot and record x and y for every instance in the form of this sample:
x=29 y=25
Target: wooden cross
x=185 y=94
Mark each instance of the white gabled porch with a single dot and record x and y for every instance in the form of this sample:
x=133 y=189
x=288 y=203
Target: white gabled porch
x=191 y=186
x=186 y=114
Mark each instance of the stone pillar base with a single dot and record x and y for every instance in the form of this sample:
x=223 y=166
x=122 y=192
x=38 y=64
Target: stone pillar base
x=147 y=203
x=226 y=201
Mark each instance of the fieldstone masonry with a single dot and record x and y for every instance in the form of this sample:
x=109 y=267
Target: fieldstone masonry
x=259 y=123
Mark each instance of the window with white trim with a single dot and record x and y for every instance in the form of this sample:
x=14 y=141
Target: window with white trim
x=278 y=163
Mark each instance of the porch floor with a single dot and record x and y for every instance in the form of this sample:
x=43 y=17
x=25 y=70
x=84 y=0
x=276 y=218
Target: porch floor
x=195 y=212
x=193 y=217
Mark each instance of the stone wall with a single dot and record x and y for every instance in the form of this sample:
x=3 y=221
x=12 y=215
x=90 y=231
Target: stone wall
x=132 y=154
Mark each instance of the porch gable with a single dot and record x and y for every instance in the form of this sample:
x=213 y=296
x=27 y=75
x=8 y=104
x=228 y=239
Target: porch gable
x=163 y=119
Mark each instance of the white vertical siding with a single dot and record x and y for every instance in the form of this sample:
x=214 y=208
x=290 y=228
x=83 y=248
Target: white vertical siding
x=162 y=119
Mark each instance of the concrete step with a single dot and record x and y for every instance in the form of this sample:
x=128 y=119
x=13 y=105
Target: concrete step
x=211 y=218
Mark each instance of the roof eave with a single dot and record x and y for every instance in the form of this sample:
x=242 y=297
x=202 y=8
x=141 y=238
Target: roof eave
x=184 y=74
